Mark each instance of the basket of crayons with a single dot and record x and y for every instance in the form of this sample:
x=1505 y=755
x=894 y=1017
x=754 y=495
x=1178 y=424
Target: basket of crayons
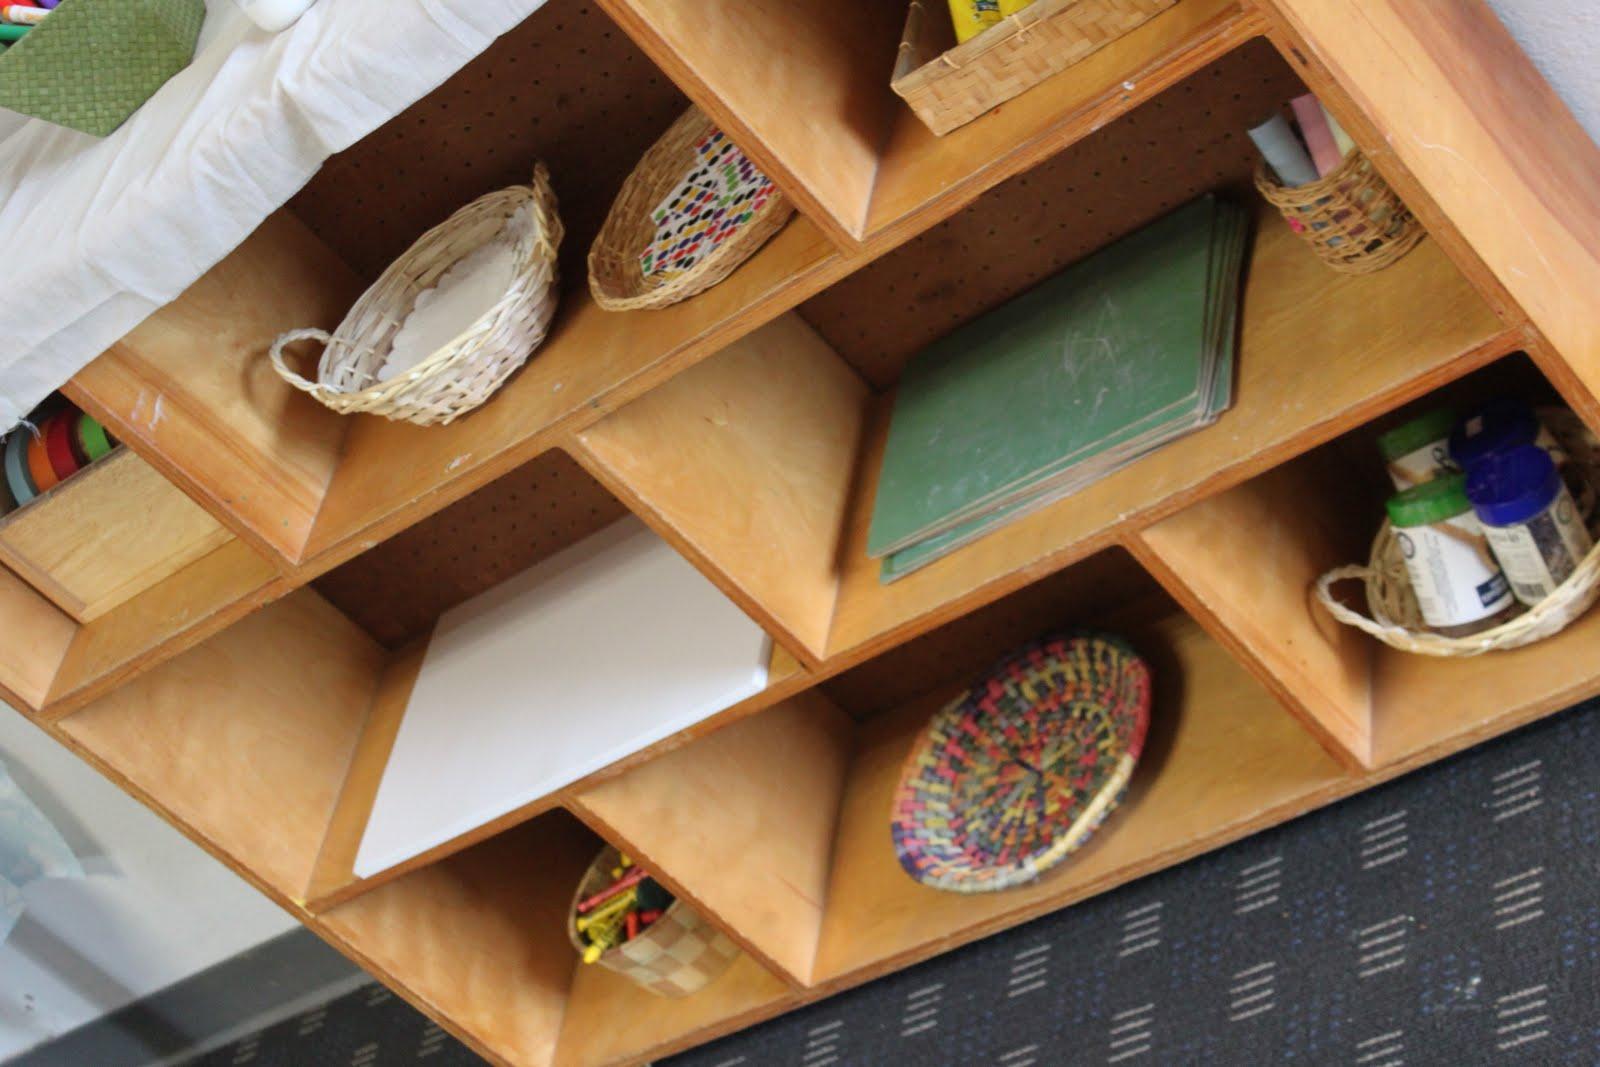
x=89 y=64
x=624 y=920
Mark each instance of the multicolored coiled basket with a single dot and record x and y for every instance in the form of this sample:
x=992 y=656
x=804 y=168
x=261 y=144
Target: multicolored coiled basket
x=1015 y=774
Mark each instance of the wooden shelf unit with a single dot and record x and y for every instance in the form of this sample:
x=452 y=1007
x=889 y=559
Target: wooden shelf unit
x=252 y=696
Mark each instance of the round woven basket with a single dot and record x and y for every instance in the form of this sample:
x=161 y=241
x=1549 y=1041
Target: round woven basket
x=466 y=371
x=678 y=954
x=1015 y=774
x=1351 y=218
x=616 y=272
x=1397 y=618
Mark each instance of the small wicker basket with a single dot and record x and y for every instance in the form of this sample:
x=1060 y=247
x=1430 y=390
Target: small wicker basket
x=678 y=954
x=948 y=85
x=1397 y=618
x=616 y=277
x=466 y=372
x=1351 y=218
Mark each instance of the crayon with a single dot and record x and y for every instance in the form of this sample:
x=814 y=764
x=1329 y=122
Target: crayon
x=628 y=881
x=22 y=16
x=10 y=33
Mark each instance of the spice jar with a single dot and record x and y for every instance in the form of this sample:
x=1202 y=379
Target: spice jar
x=1529 y=518
x=1458 y=584
x=1419 y=451
x=1496 y=427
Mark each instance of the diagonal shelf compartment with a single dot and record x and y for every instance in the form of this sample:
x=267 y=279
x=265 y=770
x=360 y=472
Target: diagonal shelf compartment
x=1246 y=561
x=1223 y=760
x=489 y=592
x=922 y=178
x=1317 y=353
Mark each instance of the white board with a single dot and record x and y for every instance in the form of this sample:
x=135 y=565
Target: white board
x=595 y=653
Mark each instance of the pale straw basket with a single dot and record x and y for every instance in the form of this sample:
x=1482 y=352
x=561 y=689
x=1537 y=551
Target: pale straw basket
x=1397 y=620
x=466 y=372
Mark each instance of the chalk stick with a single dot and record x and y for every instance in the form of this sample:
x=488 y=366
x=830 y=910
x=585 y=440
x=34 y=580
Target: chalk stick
x=1284 y=153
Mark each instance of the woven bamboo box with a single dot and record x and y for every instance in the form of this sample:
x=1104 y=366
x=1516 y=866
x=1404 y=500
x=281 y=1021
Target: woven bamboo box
x=92 y=63
x=949 y=85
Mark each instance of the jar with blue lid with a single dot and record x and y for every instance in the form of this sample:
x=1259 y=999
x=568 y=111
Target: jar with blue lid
x=1530 y=519
x=1499 y=426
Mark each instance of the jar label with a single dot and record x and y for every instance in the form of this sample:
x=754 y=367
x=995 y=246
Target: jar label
x=1540 y=554
x=1455 y=579
x=1421 y=465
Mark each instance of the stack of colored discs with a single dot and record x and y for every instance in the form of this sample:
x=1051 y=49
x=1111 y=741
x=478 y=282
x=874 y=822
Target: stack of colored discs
x=18 y=479
x=35 y=462
x=1017 y=772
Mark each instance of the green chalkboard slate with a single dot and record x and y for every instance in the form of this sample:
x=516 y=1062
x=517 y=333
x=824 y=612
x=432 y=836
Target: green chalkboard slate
x=1105 y=359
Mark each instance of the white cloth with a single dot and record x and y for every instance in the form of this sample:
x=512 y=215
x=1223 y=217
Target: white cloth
x=99 y=233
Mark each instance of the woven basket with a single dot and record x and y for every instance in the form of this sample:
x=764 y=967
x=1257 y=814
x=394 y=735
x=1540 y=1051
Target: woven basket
x=1397 y=618
x=616 y=276
x=678 y=954
x=466 y=372
x=1015 y=774
x=948 y=85
x=1351 y=218
x=93 y=63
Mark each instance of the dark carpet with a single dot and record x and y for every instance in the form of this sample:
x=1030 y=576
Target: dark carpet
x=1447 y=918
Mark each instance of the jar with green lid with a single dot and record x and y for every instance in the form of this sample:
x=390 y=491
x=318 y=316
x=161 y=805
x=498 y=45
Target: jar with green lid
x=1459 y=586
x=1419 y=451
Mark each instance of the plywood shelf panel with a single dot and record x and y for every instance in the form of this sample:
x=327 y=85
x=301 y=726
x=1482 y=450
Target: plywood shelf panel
x=922 y=178
x=1223 y=760
x=245 y=739
x=1245 y=562
x=191 y=389
x=106 y=535
x=611 y=1020
x=744 y=463
x=163 y=621
x=740 y=823
x=1318 y=352
x=1427 y=707
x=478 y=941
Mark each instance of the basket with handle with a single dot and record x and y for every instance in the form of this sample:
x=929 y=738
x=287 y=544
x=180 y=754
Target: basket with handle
x=617 y=276
x=468 y=369
x=1351 y=218
x=678 y=954
x=1396 y=618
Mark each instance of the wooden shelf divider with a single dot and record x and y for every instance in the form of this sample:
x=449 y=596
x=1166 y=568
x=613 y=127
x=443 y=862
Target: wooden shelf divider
x=1243 y=562
x=744 y=463
x=192 y=391
x=741 y=824
x=244 y=741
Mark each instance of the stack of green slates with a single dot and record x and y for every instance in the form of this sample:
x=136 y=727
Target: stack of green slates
x=92 y=63
x=1112 y=358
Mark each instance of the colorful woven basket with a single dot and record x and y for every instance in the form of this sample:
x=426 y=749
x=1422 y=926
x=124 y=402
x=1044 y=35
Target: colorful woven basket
x=694 y=209
x=1016 y=773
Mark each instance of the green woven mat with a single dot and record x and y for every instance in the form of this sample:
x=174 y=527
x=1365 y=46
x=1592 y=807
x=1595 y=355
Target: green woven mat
x=93 y=62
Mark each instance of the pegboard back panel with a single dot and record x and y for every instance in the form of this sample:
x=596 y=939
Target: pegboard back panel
x=397 y=589
x=1186 y=141
x=567 y=87
x=1107 y=586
